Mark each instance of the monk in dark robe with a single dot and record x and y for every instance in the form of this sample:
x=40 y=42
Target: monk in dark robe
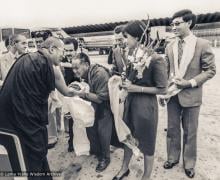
x=24 y=101
x=100 y=134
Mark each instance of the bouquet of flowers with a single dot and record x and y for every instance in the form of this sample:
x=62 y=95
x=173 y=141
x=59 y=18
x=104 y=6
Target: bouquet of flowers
x=141 y=57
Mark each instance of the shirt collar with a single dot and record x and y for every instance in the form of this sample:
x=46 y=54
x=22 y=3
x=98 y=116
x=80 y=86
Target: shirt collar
x=12 y=55
x=188 y=38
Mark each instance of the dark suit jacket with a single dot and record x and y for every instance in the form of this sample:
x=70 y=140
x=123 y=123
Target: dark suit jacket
x=118 y=59
x=201 y=68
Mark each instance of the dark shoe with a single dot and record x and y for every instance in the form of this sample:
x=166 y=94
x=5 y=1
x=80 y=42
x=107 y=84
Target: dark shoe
x=169 y=165
x=190 y=172
x=52 y=141
x=102 y=165
x=50 y=146
x=122 y=176
x=70 y=149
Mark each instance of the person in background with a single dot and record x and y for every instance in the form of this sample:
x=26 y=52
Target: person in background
x=16 y=45
x=70 y=50
x=119 y=52
x=24 y=101
x=39 y=41
x=54 y=118
x=40 y=37
x=141 y=108
x=100 y=133
x=190 y=65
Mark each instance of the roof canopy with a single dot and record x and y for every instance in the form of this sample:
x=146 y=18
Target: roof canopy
x=202 y=18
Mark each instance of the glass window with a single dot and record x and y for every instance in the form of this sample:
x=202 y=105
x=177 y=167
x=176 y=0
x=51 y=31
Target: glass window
x=6 y=32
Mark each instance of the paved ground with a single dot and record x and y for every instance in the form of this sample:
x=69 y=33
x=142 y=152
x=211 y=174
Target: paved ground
x=208 y=163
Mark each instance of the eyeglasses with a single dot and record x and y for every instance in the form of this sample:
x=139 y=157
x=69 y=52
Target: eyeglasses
x=176 y=23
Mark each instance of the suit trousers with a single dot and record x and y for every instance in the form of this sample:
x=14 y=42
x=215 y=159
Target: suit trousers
x=188 y=116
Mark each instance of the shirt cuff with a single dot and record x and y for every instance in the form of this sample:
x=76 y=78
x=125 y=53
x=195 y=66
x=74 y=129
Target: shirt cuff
x=193 y=82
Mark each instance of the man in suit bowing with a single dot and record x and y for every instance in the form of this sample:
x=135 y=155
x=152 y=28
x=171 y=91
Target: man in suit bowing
x=190 y=65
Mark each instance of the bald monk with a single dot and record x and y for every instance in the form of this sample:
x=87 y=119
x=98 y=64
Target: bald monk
x=24 y=101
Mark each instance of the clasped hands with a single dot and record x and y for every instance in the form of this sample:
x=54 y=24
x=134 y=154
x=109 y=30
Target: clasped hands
x=128 y=86
x=81 y=92
x=181 y=83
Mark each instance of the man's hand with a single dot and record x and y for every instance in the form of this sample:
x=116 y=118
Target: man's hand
x=182 y=83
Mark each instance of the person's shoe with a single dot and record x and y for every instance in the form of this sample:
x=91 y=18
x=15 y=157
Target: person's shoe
x=70 y=149
x=190 y=172
x=122 y=176
x=102 y=165
x=169 y=165
x=50 y=146
x=52 y=141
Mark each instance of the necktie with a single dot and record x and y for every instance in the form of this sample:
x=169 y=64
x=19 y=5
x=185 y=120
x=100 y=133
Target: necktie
x=124 y=59
x=180 y=50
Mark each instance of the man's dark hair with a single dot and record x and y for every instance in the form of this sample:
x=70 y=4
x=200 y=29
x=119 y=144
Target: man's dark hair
x=7 y=41
x=187 y=15
x=119 y=29
x=84 y=58
x=71 y=41
x=43 y=34
x=13 y=39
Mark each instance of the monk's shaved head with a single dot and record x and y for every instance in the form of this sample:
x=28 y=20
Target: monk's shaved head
x=54 y=48
x=52 y=42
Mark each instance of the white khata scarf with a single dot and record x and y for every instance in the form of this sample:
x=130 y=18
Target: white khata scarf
x=180 y=71
x=188 y=53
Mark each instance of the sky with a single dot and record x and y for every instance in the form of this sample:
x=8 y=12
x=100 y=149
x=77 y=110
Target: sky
x=67 y=13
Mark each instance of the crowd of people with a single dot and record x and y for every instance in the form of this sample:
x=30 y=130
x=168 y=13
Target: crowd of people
x=27 y=80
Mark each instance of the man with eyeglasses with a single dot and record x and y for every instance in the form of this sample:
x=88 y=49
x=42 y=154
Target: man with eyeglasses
x=190 y=65
x=24 y=101
x=16 y=45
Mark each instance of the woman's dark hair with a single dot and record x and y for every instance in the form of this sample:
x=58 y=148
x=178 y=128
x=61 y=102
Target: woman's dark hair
x=136 y=29
x=187 y=15
x=84 y=58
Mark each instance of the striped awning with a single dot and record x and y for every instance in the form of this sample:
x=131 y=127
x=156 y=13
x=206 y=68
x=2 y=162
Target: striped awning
x=202 y=18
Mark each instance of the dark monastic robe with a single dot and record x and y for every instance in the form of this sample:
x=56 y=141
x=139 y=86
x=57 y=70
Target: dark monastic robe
x=24 y=103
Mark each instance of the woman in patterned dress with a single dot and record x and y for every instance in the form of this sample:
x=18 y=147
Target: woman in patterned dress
x=146 y=77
